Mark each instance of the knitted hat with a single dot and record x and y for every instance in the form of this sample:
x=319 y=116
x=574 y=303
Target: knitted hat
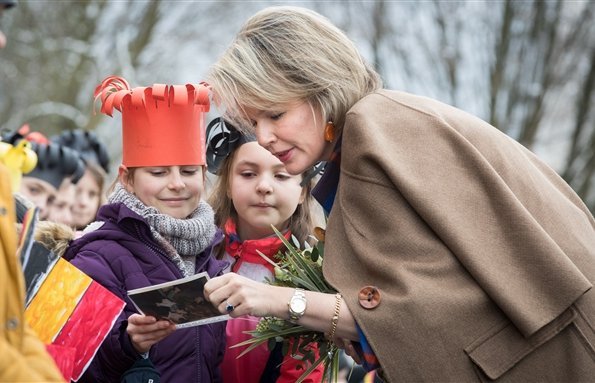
x=162 y=125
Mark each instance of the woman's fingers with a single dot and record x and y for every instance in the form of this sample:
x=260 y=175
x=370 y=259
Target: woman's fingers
x=245 y=295
x=219 y=290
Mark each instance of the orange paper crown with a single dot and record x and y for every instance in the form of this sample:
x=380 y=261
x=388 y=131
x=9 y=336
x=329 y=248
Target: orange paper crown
x=163 y=125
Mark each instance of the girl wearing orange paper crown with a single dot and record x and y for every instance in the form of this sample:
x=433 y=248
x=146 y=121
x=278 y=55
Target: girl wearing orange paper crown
x=155 y=228
x=253 y=192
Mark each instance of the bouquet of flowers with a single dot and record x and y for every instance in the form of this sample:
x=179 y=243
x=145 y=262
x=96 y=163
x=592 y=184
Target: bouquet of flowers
x=297 y=267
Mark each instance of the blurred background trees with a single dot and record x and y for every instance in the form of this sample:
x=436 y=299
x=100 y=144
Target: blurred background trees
x=527 y=67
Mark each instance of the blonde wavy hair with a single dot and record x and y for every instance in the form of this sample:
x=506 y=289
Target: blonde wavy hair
x=287 y=54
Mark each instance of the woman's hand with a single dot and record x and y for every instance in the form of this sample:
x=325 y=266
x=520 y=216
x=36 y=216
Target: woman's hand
x=247 y=297
x=145 y=331
x=243 y=296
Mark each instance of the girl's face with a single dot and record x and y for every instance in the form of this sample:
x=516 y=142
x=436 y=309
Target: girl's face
x=173 y=190
x=86 y=203
x=60 y=210
x=294 y=133
x=40 y=192
x=262 y=191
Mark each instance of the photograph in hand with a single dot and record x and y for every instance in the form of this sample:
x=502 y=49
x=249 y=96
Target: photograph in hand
x=181 y=302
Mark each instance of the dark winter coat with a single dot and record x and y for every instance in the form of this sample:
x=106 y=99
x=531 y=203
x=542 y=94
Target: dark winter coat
x=122 y=255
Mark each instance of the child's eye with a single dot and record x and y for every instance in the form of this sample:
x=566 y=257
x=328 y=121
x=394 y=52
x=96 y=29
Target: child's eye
x=34 y=190
x=157 y=173
x=282 y=176
x=247 y=174
x=190 y=172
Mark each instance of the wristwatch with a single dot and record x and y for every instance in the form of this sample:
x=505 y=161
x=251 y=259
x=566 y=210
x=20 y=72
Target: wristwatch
x=297 y=305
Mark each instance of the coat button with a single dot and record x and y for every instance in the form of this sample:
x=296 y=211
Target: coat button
x=369 y=297
x=12 y=324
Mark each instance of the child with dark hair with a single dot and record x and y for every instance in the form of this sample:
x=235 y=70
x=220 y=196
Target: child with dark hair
x=89 y=190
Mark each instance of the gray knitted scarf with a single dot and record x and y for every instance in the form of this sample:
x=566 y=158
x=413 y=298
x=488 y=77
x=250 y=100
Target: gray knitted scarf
x=182 y=239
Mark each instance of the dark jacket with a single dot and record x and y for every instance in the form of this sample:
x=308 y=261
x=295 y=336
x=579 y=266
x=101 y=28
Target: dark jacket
x=122 y=255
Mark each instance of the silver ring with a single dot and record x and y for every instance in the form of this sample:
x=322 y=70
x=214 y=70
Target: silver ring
x=229 y=307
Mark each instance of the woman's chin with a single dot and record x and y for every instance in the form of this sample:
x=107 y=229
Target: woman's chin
x=296 y=167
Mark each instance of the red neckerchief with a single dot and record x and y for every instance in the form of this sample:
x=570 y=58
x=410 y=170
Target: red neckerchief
x=245 y=251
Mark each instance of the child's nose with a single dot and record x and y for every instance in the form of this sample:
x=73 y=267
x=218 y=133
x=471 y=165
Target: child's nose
x=176 y=181
x=264 y=186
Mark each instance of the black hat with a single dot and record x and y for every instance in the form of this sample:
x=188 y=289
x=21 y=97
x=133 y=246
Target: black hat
x=87 y=144
x=56 y=162
x=8 y=3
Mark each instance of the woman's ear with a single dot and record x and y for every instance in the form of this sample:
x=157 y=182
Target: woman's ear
x=125 y=179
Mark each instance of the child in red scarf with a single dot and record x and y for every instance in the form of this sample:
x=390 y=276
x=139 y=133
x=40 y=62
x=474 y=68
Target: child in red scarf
x=253 y=192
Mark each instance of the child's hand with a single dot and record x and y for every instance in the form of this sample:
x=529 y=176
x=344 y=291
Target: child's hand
x=145 y=331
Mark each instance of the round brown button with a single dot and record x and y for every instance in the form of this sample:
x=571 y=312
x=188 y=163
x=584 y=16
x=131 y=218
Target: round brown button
x=369 y=297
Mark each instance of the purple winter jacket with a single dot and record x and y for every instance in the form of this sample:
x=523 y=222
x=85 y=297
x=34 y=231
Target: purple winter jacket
x=122 y=255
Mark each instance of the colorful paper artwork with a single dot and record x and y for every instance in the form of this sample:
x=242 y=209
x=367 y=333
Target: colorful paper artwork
x=64 y=358
x=39 y=263
x=89 y=324
x=56 y=299
x=71 y=311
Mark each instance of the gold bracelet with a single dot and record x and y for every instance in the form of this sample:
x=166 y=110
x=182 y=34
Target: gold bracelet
x=335 y=318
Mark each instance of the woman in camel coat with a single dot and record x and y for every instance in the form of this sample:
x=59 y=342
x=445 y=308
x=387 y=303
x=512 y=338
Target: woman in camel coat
x=458 y=255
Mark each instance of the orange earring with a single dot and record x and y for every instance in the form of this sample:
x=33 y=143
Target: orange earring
x=329 y=132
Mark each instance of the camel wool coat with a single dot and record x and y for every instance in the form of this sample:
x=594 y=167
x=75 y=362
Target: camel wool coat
x=461 y=255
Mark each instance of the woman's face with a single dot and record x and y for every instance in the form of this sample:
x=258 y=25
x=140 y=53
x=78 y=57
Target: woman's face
x=262 y=191
x=294 y=133
x=40 y=192
x=88 y=197
x=173 y=190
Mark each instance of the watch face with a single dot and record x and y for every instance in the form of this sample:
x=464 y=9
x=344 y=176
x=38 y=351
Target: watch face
x=298 y=305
